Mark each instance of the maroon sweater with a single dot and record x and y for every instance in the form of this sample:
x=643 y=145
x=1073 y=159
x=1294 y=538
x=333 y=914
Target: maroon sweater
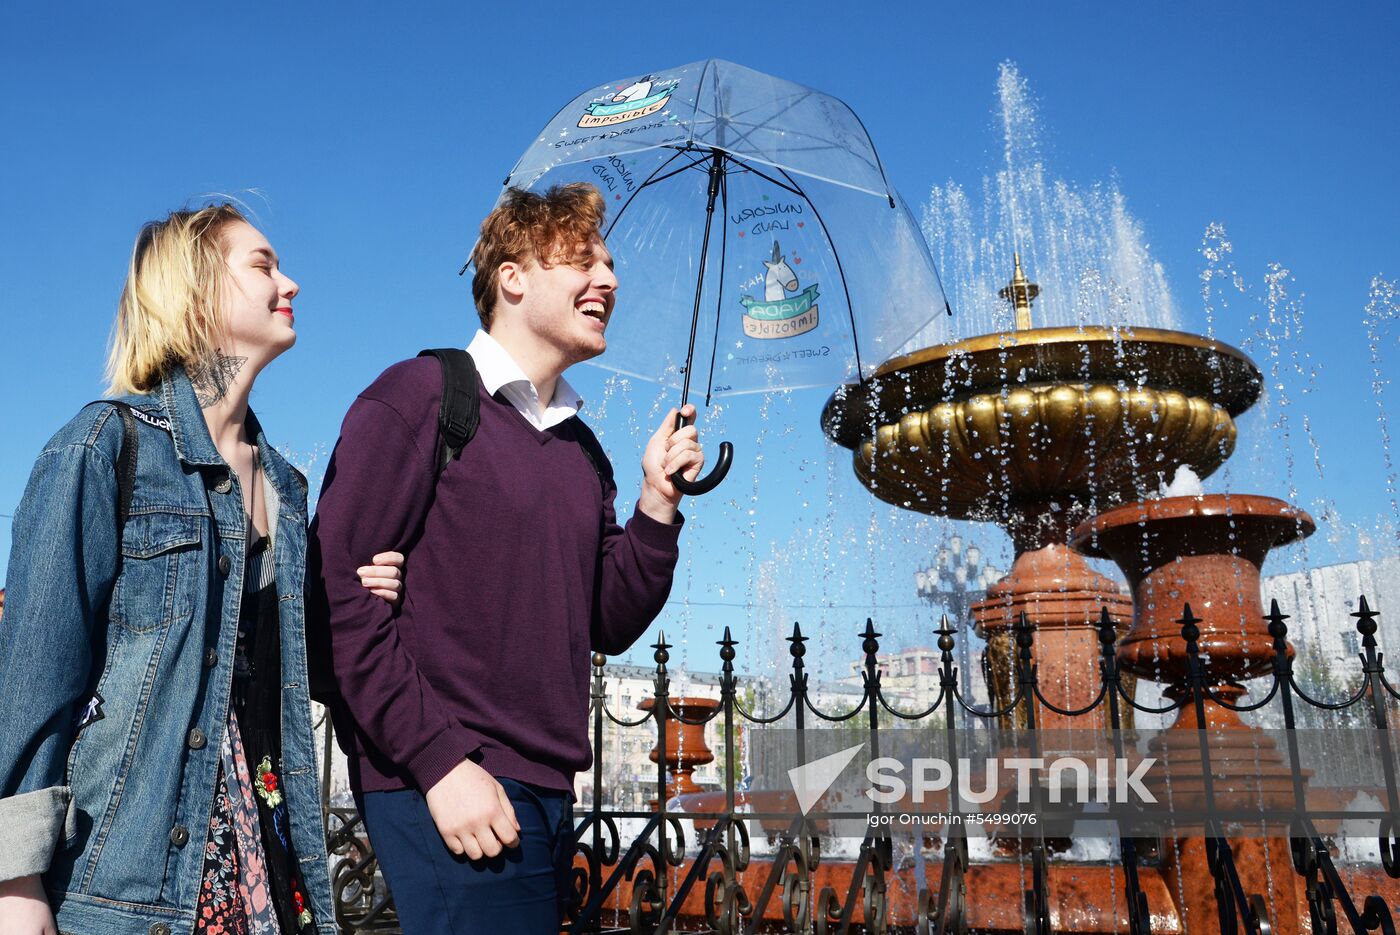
x=520 y=571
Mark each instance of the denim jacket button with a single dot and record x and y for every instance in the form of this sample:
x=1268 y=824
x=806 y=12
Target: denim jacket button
x=211 y=658
x=179 y=836
x=159 y=928
x=196 y=739
x=224 y=564
x=224 y=485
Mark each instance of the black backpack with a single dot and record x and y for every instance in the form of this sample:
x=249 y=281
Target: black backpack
x=460 y=413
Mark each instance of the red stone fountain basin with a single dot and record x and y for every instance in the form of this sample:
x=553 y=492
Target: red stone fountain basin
x=685 y=741
x=1207 y=550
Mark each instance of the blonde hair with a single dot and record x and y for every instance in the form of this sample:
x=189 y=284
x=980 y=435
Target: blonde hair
x=525 y=226
x=169 y=310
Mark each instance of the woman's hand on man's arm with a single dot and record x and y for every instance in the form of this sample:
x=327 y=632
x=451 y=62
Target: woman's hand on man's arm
x=383 y=576
x=24 y=909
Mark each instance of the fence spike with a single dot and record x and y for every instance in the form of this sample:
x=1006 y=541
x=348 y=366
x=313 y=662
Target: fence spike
x=946 y=641
x=797 y=639
x=726 y=647
x=870 y=643
x=1277 y=628
x=1366 y=622
x=1025 y=635
x=1108 y=633
x=1189 y=630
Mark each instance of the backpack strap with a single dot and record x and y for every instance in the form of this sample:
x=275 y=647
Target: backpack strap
x=126 y=457
x=126 y=464
x=460 y=412
x=593 y=451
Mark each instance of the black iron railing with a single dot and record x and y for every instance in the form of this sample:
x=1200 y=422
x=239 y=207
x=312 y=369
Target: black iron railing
x=724 y=867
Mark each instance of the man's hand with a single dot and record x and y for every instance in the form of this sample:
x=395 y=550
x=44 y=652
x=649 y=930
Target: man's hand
x=668 y=452
x=472 y=812
x=24 y=909
x=383 y=577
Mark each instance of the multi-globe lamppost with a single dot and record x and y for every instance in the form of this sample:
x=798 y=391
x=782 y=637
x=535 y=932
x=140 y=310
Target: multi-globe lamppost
x=956 y=579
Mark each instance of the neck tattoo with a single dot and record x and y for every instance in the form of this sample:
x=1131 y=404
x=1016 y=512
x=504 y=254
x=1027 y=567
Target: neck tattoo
x=212 y=379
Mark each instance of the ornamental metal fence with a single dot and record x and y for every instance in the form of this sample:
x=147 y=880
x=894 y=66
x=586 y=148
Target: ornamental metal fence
x=649 y=884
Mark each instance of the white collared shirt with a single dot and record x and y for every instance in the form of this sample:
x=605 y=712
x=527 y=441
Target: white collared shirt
x=500 y=372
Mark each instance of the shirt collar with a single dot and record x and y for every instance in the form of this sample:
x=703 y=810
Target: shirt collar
x=497 y=368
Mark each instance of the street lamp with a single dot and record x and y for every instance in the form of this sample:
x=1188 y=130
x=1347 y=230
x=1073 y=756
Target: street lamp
x=956 y=579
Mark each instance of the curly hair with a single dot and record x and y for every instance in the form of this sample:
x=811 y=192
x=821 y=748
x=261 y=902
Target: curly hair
x=558 y=226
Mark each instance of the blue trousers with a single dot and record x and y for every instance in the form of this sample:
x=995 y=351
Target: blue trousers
x=521 y=890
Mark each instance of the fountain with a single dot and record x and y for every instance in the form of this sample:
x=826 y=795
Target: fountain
x=1037 y=429
x=1062 y=436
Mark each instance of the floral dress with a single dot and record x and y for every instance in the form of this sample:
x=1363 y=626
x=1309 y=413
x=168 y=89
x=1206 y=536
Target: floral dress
x=250 y=884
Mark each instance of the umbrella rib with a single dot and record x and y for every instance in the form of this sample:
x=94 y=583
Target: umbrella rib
x=694 y=111
x=877 y=165
x=875 y=152
x=754 y=126
x=823 y=178
x=840 y=271
x=769 y=179
x=617 y=217
x=685 y=168
x=806 y=93
x=829 y=144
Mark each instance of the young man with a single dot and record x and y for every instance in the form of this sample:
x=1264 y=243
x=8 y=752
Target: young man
x=469 y=704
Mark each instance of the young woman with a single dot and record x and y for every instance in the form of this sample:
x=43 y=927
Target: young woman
x=157 y=771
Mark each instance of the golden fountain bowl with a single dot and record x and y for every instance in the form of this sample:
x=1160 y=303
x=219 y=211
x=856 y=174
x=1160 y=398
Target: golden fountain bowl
x=1043 y=420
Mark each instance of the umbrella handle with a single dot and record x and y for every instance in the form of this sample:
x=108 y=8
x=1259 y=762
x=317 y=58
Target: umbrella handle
x=694 y=488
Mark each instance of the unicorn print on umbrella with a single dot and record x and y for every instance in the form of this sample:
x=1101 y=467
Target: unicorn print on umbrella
x=641 y=98
x=636 y=91
x=780 y=279
x=778 y=315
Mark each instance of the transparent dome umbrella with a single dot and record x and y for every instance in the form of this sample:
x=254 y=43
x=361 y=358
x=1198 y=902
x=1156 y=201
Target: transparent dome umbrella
x=757 y=242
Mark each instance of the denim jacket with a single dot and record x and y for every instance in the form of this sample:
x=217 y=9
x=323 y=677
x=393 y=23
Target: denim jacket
x=137 y=646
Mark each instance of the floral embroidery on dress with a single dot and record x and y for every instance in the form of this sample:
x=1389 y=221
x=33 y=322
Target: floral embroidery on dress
x=303 y=913
x=270 y=789
x=266 y=781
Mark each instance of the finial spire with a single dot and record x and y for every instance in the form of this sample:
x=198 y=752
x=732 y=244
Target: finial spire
x=1020 y=292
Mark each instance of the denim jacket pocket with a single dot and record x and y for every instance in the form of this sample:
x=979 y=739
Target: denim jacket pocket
x=158 y=550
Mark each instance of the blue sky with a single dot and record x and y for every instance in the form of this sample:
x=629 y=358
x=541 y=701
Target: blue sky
x=375 y=137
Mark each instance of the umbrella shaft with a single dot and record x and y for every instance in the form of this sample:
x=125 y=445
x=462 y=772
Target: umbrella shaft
x=716 y=172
